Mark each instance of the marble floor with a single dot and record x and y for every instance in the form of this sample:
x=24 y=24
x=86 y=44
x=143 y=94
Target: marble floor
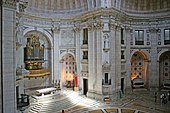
x=140 y=101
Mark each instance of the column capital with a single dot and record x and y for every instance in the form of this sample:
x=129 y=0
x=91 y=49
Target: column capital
x=89 y=26
x=128 y=29
x=98 y=25
x=118 y=27
x=9 y=3
x=56 y=29
x=22 y=5
x=77 y=28
x=112 y=25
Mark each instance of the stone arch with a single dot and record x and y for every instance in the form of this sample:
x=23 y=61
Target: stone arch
x=40 y=30
x=45 y=39
x=139 y=68
x=67 y=72
x=143 y=52
x=161 y=52
x=64 y=53
x=164 y=69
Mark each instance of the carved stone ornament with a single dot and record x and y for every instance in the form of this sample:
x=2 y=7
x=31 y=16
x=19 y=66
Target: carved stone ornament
x=67 y=37
x=56 y=29
x=99 y=25
x=10 y=3
x=89 y=26
x=77 y=28
x=61 y=51
x=128 y=29
x=106 y=66
x=22 y=5
x=112 y=26
x=153 y=30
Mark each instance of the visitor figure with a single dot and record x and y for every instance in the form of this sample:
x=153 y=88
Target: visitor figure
x=165 y=99
x=168 y=95
x=63 y=111
x=161 y=98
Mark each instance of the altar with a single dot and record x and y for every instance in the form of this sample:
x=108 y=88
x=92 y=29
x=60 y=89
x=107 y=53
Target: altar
x=45 y=91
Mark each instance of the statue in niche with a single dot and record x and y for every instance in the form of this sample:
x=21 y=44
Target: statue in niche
x=106 y=41
x=33 y=53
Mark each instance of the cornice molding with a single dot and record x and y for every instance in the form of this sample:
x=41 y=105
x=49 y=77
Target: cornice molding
x=114 y=15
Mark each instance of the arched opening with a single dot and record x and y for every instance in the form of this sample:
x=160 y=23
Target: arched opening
x=37 y=59
x=164 y=66
x=139 y=68
x=68 y=71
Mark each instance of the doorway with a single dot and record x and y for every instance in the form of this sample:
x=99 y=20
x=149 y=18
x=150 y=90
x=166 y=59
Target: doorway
x=85 y=86
x=17 y=94
x=122 y=85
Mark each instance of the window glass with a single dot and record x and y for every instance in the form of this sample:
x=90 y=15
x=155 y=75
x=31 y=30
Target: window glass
x=167 y=35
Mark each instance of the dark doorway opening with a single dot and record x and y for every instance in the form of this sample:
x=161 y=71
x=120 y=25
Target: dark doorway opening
x=122 y=85
x=85 y=86
x=17 y=94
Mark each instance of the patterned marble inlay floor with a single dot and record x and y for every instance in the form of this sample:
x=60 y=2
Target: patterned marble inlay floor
x=72 y=102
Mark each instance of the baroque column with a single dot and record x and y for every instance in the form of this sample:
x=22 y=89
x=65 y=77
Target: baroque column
x=8 y=47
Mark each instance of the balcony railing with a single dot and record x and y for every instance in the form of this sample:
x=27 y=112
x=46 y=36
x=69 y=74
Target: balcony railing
x=122 y=56
x=166 y=42
x=85 y=41
x=139 y=42
x=122 y=41
x=104 y=82
x=23 y=101
x=85 y=57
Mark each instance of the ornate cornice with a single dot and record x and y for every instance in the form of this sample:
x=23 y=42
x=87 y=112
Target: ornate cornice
x=115 y=16
x=10 y=3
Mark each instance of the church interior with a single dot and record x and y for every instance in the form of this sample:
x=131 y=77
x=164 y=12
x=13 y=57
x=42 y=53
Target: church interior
x=90 y=56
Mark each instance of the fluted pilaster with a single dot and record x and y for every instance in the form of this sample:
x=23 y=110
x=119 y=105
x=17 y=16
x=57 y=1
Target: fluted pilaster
x=128 y=59
x=8 y=56
x=56 y=33
x=98 y=86
x=113 y=55
x=154 y=71
x=91 y=61
x=77 y=30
